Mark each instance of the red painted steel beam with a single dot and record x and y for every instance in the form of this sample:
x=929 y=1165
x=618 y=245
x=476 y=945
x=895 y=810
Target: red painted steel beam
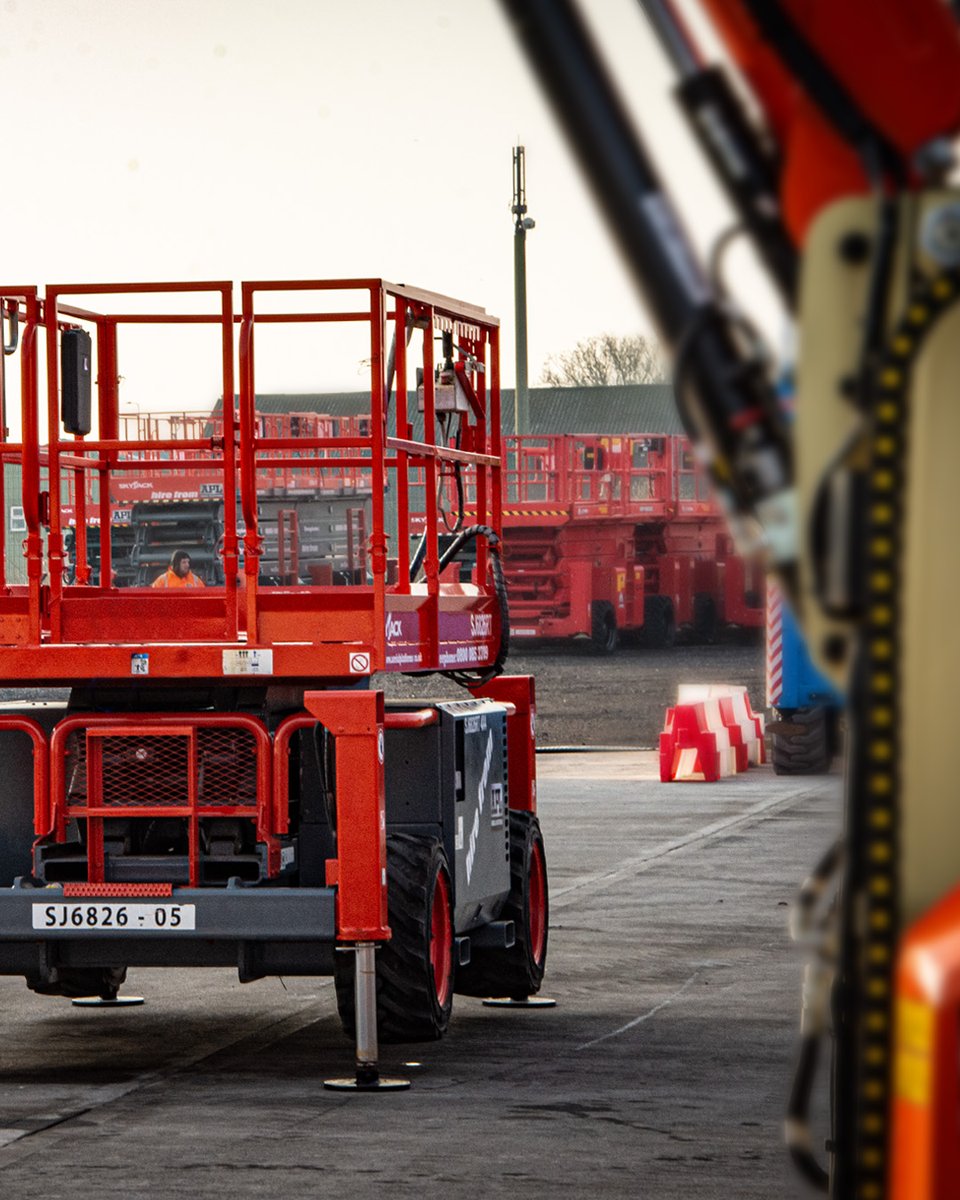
x=41 y=769
x=281 y=766
x=355 y=720
x=518 y=691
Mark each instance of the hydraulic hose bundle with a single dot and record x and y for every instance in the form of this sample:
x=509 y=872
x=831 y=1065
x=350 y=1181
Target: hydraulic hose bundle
x=468 y=678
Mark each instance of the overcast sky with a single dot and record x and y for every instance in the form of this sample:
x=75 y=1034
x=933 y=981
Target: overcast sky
x=235 y=139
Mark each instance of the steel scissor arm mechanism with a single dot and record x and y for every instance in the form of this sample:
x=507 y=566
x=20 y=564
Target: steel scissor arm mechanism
x=860 y=102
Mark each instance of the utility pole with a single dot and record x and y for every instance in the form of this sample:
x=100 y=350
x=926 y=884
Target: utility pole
x=521 y=407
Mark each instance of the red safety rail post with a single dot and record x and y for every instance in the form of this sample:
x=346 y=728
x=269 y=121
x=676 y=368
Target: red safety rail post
x=431 y=560
x=378 y=436
x=355 y=720
x=54 y=501
x=495 y=447
x=281 y=766
x=32 y=501
x=248 y=468
x=28 y=620
x=404 y=432
x=8 y=312
x=108 y=405
x=228 y=448
x=519 y=691
x=42 y=816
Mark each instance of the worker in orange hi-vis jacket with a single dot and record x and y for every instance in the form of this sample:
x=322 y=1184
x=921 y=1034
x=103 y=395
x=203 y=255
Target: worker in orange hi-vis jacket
x=178 y=574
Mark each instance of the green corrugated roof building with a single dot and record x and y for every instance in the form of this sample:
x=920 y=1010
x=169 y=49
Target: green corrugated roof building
x=633 y=408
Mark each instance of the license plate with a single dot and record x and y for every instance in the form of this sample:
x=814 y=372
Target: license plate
x=115 y=918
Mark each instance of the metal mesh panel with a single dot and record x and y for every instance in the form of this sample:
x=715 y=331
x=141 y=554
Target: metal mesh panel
x=227 y=762
x=143 y=771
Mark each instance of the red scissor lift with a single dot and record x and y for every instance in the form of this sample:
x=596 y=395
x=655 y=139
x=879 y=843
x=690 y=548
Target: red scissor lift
x=604 y=535
x=224 y=786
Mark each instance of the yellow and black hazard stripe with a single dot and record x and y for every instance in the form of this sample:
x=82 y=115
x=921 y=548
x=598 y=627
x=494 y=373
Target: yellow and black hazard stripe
x=535 y=512
x=875 y=795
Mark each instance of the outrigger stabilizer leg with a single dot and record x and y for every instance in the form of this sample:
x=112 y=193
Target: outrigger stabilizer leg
x=367 y=1077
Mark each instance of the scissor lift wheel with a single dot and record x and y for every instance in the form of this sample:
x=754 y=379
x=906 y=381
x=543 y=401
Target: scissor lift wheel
x=415 y=967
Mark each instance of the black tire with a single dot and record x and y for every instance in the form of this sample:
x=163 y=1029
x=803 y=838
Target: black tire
x=517 y=972
x=411 y=1007
x=706 y=622
x=659 y=623
x=801 y=742
x=604 y=635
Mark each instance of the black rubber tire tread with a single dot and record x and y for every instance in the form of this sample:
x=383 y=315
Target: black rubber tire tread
x=604 y=635
x=659 y=624
x=408 y=1009
x=706 y=622
x=803 y=749
x=512 y=972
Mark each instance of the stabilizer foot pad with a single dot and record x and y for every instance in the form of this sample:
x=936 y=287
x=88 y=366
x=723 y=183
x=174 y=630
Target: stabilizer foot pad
x=101 y=1002
x=374 y=1085
x=525 y=1002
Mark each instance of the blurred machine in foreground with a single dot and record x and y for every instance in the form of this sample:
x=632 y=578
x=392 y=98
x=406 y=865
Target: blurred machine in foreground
x=837 y=171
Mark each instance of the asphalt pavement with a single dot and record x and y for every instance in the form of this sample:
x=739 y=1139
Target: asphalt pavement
x=662 y=1072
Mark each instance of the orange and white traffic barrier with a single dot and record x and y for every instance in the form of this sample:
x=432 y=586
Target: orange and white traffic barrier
x=746 y=727
x=711 y=733
x=695 y=744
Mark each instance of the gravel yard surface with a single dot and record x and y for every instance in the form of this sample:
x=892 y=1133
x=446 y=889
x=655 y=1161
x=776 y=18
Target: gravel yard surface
x=587 y=700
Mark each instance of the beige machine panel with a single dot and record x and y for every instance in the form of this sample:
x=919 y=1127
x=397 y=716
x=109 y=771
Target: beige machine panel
x=831 y=313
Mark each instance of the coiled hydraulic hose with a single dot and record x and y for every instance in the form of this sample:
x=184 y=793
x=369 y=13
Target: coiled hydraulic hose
x=469 y=678
x=474 y=678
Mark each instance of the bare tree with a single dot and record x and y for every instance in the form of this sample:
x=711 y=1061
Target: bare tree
x=607 y=359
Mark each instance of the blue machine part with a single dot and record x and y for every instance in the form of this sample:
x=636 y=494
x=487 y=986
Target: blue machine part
x=792 y=679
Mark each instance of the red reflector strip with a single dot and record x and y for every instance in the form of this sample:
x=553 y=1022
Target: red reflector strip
x=81 y=891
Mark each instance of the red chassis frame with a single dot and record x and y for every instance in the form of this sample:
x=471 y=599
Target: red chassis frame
x=356 y=719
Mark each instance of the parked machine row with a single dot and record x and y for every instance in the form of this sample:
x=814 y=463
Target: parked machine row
x=606 y=536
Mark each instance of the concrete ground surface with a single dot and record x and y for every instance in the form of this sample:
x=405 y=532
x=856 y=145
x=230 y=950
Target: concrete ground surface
x=662 y=1072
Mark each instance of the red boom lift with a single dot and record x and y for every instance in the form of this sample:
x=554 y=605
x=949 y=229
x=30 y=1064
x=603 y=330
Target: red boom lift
x=223 y=785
